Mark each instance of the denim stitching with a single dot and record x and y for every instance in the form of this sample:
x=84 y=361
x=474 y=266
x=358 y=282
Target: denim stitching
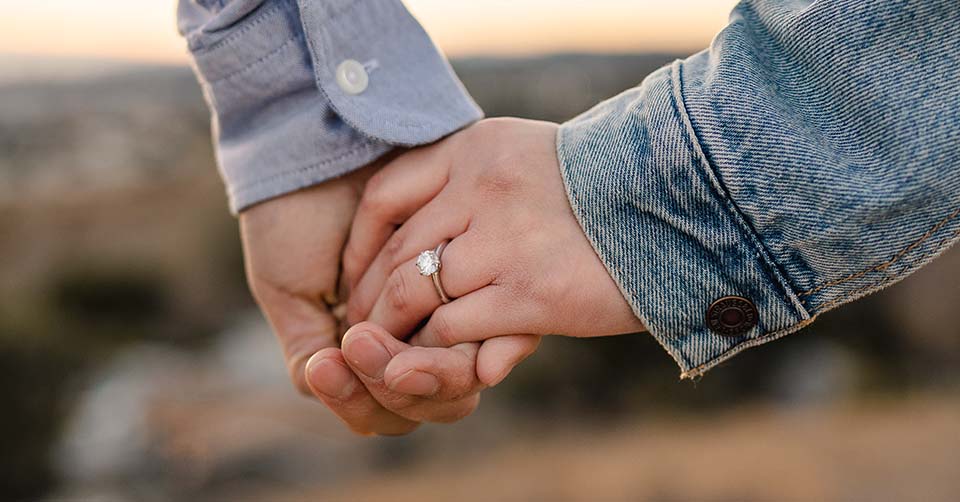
x=258 y=62
x=858 y=292
x=903 y=252
x=700 y=370
x=572 y=198
x=736 y=349
x=771 y=268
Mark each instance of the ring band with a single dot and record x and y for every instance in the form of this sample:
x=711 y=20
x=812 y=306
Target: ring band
x=429 y=264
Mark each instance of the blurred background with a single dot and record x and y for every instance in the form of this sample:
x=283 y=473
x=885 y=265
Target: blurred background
x=133 y=364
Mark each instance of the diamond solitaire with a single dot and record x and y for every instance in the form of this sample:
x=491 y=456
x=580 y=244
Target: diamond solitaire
x=428 y=263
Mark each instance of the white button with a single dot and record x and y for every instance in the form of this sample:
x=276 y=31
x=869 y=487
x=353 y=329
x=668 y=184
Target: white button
x=352 y=77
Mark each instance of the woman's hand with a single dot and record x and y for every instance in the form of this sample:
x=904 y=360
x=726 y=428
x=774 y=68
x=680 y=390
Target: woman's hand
x=517 y=261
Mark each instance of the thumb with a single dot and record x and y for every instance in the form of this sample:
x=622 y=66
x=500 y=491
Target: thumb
x=303 y=328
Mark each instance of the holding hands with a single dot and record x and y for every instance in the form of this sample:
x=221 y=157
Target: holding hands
x=734 y=204
x=517 y=260
x=517 y=266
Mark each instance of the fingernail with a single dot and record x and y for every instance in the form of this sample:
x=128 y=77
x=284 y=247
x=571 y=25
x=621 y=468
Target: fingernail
x=366 y=354
x=415 y=383
x=331 y=378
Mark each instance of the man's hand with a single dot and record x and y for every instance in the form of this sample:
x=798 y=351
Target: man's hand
x=292 y=252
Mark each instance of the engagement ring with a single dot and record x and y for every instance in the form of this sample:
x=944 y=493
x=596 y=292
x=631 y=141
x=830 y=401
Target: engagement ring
x=428 y=263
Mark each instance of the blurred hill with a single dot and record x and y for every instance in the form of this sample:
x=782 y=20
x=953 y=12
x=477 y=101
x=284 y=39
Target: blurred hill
x=110 y=131
x=123 y=314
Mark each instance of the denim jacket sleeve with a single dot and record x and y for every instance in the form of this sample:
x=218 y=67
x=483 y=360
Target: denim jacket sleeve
x=810 y=157
x=284 y=119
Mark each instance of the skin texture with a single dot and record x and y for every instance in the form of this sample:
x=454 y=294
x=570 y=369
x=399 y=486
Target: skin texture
x=375 y=383
x=518 y=261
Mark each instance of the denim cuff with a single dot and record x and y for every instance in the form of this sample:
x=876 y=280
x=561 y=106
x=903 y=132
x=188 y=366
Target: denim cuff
x=668 y=233
x=280 y=119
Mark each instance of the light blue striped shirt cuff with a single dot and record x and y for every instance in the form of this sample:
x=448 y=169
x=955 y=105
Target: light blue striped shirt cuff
x=283 y=119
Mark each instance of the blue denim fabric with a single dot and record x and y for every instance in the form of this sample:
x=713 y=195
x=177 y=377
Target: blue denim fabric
x=281 y=122
x=810 y=157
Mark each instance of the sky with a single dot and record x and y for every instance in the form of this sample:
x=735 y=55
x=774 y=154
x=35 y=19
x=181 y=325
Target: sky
x=144 y=30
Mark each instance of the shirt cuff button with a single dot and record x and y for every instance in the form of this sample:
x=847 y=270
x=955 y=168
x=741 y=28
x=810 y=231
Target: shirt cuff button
x=731 y=316
x=352 y=77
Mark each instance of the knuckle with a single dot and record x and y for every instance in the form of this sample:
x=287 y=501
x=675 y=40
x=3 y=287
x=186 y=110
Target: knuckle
x=393 y=249
x=374 y=196
x=442 y=329
x=396 y=294
x=355 y=311
x=501 y=172
x=497 y=180
x=522 y=287
x=351 y=262
x=545 y=292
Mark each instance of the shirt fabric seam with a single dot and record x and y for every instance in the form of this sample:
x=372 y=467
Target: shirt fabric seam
x=298 y=170
x=314 y=49
x=254 y=64
x=260 y=18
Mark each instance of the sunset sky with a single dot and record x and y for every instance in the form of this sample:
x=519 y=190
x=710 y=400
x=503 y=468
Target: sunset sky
x=143 y=30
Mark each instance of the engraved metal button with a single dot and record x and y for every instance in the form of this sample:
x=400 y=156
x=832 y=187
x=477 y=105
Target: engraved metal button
x=731 y=316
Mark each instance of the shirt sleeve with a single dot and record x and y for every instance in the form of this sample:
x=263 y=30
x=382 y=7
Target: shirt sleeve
x=807 y=159
x=302 y=91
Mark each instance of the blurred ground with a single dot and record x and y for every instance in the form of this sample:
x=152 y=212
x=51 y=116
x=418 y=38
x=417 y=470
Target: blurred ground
x=223 y=424
x=134 y=367
x=877 y=451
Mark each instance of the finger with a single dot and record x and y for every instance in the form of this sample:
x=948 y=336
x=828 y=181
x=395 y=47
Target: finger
x=438 y=221
x=408 y=297
x=334 y=383
x=391 y=196
x=302 y=327
x=368 y=350
x=483 y=314
x=453 y=369
x=405 y=300
x=498 y=356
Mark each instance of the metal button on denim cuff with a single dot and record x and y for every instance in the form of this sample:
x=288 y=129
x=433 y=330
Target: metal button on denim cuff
x=731 y=316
